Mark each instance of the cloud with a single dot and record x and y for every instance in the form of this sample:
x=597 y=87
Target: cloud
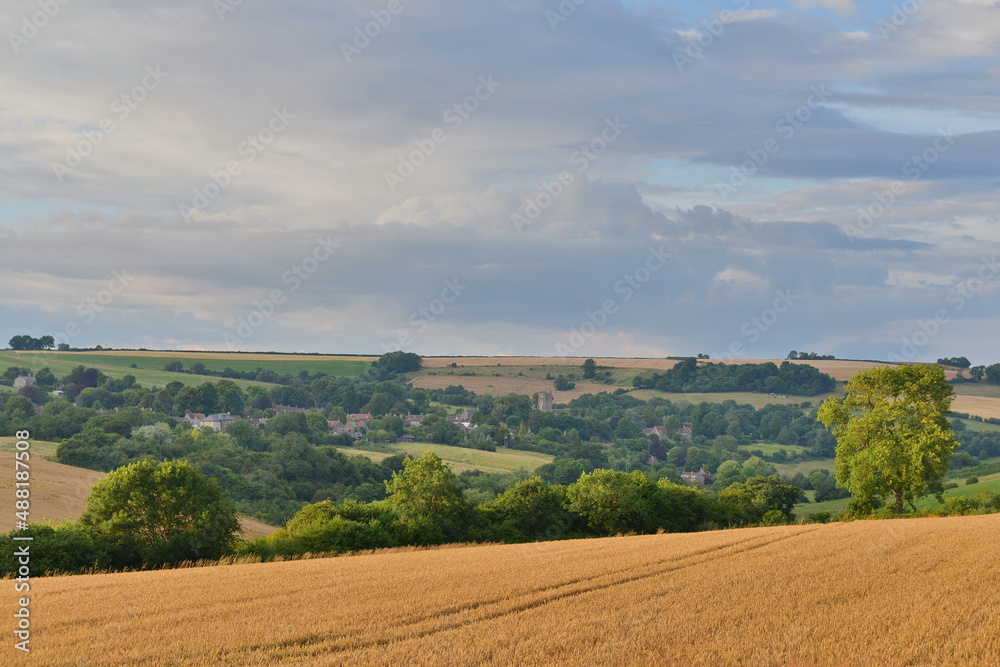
x=840 y=7
x=539 y=134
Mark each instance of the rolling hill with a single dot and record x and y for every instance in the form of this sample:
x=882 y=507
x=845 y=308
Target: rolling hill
x=527 y=375
x=460 y=458
x=902 y=592
x=149 y=363
x=59 y=492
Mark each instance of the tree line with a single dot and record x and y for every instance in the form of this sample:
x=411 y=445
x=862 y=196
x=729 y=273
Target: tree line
x=768 y=378
x=149 y=514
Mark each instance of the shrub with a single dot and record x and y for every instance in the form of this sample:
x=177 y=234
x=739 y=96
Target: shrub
x=958 y=505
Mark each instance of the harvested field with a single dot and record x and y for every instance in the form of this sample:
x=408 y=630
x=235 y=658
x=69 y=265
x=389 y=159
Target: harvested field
x=441 y=362
x=839 y=370
x=58 y=491
x=983 y=406
x=498 y=386
x=789 y=595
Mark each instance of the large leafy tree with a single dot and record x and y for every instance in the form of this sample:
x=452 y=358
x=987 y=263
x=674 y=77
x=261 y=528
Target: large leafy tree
x=893 y=437
x=428 y=501
x=167 y=512
x=611 y=502
x=751 y=501
x=529 y=510
x=426 y=488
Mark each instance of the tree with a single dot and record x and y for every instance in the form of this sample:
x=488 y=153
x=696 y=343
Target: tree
x=752 y=500
x=87 y=377
x=529 y=510
x=427 y=495
x=399 y=362
x=728 y=472
x=512 y=405
x=893 y=436
x=589 y=368
x=611 y=502
x=169 y=512
x=31 y=343
x=189 y=399
x=562 y=384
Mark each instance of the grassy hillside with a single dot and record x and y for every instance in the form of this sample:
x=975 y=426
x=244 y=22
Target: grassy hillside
x=790 y=595
x=741 y=397
x=771 y=448
x=838 y=369
x=149 y=371
x=461 y=458
x=981 y=427
x=804 y=467
x=59 y=492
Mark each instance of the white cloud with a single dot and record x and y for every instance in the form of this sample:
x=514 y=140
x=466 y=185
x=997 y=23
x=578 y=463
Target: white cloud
x=656 y=183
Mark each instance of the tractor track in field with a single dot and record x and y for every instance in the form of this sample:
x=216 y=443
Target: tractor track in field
x=317 y=643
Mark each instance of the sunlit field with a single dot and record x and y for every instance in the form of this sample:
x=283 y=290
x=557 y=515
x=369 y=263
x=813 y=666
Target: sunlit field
x=902 y=592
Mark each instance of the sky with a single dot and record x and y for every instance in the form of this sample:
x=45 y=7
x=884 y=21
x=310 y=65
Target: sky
x=587 y=178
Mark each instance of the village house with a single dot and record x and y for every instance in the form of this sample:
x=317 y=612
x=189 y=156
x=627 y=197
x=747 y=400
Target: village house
x=658 y=431
x=463 y=416
x=700 y=477
x=361 y=417
x=684 y=431
x=219 y=422
x=194 y=418
x=22 y=381
x=467 y=427
x=413 y=420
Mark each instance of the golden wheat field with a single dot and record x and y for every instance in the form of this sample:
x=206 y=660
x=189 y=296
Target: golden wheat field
x=904 y=592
